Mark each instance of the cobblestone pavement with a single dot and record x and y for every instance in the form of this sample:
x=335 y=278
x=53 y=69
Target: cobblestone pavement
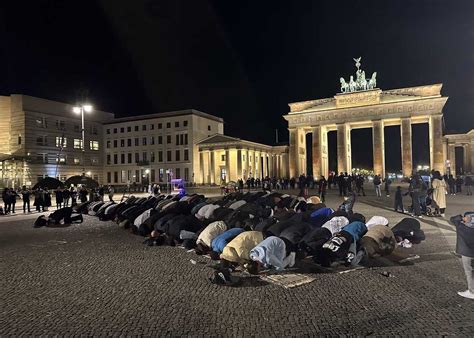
x=96 y=279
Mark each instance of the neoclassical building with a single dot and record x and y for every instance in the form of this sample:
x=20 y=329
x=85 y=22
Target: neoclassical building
x=225 y=158
x=365 y=107
x=465 y=141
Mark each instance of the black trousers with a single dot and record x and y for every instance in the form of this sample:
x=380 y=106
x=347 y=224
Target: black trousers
x=26 y=205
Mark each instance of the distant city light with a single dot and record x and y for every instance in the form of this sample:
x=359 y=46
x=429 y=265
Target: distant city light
x=76 y=110
x=87 y=108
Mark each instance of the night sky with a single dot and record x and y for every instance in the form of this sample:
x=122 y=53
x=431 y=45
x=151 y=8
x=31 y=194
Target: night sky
x=241 y=60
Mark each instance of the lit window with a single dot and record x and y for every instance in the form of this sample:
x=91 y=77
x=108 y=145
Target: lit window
x=77 y=143
x=77 y=161
x=61 y=142
x=94 y=145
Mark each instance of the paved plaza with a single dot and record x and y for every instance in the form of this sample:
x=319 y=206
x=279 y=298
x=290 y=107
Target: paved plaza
x=96 y=279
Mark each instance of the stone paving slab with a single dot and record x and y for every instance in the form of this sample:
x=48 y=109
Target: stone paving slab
x=96 y=279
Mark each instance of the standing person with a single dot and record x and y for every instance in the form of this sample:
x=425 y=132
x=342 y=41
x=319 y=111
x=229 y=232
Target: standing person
x=66 y=197
x=439 y=193
x=59 y=198
x=415 y=187
x=101 y=192
x=340 y=183
x=39 y=200
x=47 y=199
x=452 y=185
x=459 y=183
x=73 y=193
x=468 y=185
x=25 y=195
x=83 y=194
x=377 y=184
x=387 y=182
x=13 y=196
x=399 y=200
x=111 y=193
x=322 y=188
x=465 y=248
x=6 y=200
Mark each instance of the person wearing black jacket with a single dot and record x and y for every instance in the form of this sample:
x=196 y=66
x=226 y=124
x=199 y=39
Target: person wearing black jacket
x=60 y=215
x=25 y=195
x=465 y=248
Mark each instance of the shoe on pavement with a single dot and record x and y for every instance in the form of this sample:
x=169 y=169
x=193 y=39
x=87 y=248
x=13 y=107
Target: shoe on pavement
x=466 y=294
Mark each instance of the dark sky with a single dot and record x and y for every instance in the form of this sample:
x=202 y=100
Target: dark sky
x=241 y=60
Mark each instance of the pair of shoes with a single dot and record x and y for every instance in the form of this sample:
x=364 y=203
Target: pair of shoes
x=466 y=294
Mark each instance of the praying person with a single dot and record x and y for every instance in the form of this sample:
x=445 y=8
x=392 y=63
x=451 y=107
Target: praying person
x=63 y=215
x=271 y=253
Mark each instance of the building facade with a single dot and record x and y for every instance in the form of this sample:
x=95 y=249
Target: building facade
x=465 y=141
x=223 y=158
x=155 y=148
x=40 y=138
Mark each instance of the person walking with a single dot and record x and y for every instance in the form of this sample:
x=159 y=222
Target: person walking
x=439 y=193
x=111 y=193
x=25 y=196
x=452 y=185
x=377 y=184
x=465 y=248
x=387 y=182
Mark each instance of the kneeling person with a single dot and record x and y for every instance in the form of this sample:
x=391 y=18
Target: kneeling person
x=63 y=215
x=271 y=253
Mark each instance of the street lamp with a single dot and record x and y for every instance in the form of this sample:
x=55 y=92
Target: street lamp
x=80 y=110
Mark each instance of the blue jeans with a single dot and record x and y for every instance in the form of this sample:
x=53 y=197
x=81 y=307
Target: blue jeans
x=422 y=200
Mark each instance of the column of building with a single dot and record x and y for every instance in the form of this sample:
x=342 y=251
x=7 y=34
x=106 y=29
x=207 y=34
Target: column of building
x=405 y=134
x=343 y=148
x=451 y=165
x=436 y=142
x=378 y=147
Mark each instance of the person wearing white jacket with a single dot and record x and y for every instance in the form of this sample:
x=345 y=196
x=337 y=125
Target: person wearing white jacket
x=271 y=253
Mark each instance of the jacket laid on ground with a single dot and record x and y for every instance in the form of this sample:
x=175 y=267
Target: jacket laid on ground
x=271 y=252
x=238 y=250
x=464 y=236
x=219 y=243
x=210 y=232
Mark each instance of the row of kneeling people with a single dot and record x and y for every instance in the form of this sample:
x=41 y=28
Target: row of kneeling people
x=258 y=229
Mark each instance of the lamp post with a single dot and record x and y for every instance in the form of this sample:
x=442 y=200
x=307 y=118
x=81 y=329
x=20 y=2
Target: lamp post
x=80 y=110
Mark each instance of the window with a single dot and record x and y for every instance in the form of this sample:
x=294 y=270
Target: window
x=137 y=175
x=19 y=139
x=41 y=122
x=115 y=130
x=60 y=125
x=108 y=159
x=123 y=176
x=115 y=143
x=160 y=139
x=178 y=173
x=152 y=127
x=61 y=142
x=168 y=125
x=108 y=144
x=94 y=145
x=109 y=176
x=122 y=130
x=209 y=127
x=177 y=155
x=222 y=158
x=77 y=143
x=168 y=155
x=168 y=139
x=152 y=157
x=144 y=141
x=94 y=130
x=160 y=125
x=77 y=161
x=186 y=154
x=129 y=157
x=129 y=129
x=176 y=124
x=137 y=142
x=61 y=160
x=160 y=156
x=186 y=174
x=185 y=124
x=144 y=127
x=122 y=143
x=115 y=176
x=136 y=128
x=122 y=158
x=94 y=161
x=129 y=142
x=108 y=132
x=137 y=157
x=185 y=138
x=144 y=156
x=41 y=141
x=152 y=140
x=115 y=159
x=181 y=139
x=177 y=139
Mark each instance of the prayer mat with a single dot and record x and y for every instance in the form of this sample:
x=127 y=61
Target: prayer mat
x=288 y=280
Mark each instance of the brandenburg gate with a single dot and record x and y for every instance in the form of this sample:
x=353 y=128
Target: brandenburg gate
x=362 y=105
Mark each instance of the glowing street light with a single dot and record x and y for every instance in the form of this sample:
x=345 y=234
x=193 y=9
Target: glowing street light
x=80 y=110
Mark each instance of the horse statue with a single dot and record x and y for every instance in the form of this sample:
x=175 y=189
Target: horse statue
x=373 y=81
x=344 y=85
x=362 y=83
x=352 y=84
